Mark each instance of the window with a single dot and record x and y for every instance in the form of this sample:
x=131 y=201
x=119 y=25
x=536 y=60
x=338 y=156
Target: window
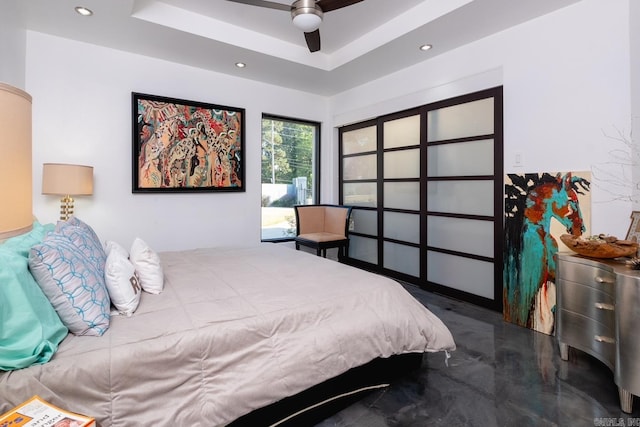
x=290 y=173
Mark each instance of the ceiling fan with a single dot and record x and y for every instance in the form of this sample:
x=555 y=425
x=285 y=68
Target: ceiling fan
x=305 y=14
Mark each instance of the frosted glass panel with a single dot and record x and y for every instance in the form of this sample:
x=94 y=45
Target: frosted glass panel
x=468 y=275
x=359 y=167
x=402 y=132
x=402 y=226
x=459 y=121
x=401 y=258
x=462 y=158
x=359 y=140
x=363 y=249
x=402 y=164
x=463 y=197
x=461 y=235
x=365 y=222
x=402 y=195
x=360 y=194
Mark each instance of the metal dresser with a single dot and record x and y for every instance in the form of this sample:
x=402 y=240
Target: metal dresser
x=598 y=312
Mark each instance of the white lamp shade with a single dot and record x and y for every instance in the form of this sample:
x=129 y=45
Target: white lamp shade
x=16 y=216
x=307 y=22
x=67 y=180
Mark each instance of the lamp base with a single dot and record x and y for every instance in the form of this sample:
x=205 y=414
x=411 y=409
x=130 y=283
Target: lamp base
x=66 y=208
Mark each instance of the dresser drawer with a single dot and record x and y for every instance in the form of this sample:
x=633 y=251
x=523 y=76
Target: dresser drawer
x=587 y=335
x=587 y=301
x=602 y=279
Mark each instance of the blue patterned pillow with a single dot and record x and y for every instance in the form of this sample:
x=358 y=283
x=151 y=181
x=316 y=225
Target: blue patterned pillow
x=83 y=236
x=86 y=227
x=72 y=283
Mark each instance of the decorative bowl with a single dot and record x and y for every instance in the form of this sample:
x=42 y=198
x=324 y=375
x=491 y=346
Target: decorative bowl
x=600 y=246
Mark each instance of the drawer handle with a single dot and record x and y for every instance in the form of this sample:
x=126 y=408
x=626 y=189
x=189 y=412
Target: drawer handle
x=603 y=280
x=605 y=306
x=601 y=338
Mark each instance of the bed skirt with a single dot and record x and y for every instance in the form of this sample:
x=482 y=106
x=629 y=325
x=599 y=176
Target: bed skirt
x=329 y=397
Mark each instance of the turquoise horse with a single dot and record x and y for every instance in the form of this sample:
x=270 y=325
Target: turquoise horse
x=531 y=266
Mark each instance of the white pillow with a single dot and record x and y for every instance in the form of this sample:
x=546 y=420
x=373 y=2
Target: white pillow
x=148 y=268
x=110 y=245
x=122 y=283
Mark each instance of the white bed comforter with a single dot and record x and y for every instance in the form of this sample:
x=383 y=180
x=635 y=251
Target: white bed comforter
x=235 y=329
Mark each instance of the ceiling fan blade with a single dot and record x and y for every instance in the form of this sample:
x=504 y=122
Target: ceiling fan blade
x=264 y=3
x=329 y=5
x=313 y=40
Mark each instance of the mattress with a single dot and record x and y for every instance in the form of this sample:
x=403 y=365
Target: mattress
x=234 y=330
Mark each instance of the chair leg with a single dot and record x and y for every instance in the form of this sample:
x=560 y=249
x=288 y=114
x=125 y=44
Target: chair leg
x=343 y=251
x=324 y=253
x=318 y=252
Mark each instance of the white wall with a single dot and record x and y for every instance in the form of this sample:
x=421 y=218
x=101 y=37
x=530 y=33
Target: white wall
x=634 y=37
x=566 y=79
x=82 y=114
x=13 y=41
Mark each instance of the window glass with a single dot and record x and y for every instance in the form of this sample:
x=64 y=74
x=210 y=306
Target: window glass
x=360 y=194
x=460 y=159
x=289 y=173
x=461 y=120
x=402 y=164
x=359 y=167
x=402 y=195
x=359 y=141
x=402 y=132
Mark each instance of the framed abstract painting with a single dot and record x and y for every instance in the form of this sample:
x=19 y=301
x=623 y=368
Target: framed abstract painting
x=186 y=146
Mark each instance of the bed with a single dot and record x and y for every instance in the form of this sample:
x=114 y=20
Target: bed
x=234 y=331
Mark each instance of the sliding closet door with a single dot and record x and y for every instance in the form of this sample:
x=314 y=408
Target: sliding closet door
x=401 y=194
x=359 y=188
x=426 y=190
x=464 y=198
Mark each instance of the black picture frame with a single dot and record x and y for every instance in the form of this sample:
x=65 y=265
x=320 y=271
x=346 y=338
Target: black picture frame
x=182 y=146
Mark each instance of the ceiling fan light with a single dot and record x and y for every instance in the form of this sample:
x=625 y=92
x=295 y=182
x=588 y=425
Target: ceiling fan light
x=307 y=22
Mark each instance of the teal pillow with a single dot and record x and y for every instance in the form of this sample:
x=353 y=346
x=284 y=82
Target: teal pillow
x=30 y=329
x=22 y=244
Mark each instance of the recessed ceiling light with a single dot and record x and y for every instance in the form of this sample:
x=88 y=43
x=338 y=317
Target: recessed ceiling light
x=84 y=11
x=425 y=47
x=240 y=64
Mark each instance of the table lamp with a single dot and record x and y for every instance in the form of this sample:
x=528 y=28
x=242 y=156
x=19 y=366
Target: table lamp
x=67 y=180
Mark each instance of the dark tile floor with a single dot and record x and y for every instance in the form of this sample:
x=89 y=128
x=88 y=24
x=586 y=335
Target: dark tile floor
x=500 y=375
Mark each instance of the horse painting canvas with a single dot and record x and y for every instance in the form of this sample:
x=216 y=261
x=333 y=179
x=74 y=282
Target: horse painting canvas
x=539 y=207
